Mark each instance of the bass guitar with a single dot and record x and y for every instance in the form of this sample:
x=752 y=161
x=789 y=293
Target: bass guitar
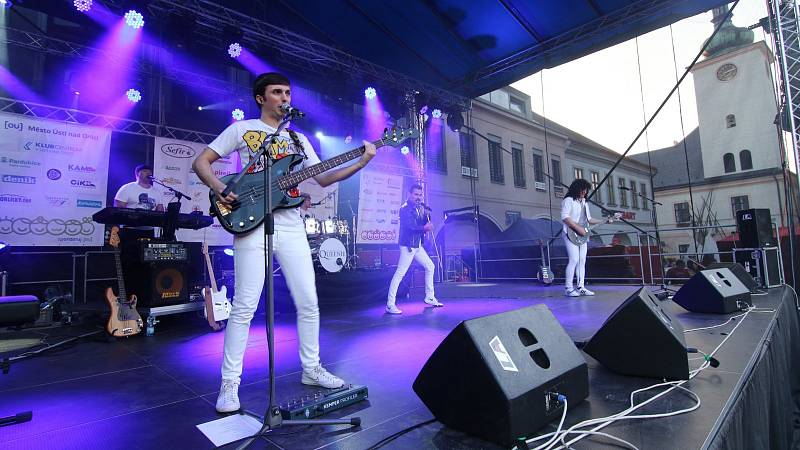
x=124 y=320
x=218 y=307
x=580 y=240
x=247 y=213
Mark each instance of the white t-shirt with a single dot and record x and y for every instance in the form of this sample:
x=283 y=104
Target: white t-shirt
x=138 y=197
x=245 y=137
x=573 y=208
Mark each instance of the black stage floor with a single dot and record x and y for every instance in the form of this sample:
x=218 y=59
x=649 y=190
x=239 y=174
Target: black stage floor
x=151 y=392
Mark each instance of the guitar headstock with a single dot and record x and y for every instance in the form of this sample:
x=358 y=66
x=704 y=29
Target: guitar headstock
x=113 y=236
x=396 y=136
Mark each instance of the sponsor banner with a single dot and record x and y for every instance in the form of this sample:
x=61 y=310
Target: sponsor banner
x=379 y=199
x=53 y=177
x=172 y=165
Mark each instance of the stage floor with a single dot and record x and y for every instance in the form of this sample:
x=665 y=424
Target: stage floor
x=151 y=392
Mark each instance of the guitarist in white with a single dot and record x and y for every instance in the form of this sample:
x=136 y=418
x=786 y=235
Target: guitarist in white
x=576 y=217
x=271 y=91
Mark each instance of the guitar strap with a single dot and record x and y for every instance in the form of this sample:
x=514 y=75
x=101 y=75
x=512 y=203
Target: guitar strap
x=297 y=142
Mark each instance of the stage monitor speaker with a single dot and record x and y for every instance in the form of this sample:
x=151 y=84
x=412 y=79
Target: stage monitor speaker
x=755 y=228
x=158 y=283
x=716 y=291
x=497 y=377
x=641 y=338
x=739 y=272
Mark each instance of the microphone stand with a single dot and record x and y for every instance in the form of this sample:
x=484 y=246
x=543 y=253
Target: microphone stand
x=171 y=217
x=178 y=194
x=435 y=246
x=664 y=292
x=272 y=418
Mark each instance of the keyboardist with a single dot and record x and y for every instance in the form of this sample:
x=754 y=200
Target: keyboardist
x=139 y=194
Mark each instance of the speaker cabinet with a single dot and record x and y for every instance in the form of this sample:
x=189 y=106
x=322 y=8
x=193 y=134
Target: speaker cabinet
x=763 y=265
x=496 y=377
x=755 y=228
x=643 y=339
x=739 y=272
x=158 y=283
x=716 y=291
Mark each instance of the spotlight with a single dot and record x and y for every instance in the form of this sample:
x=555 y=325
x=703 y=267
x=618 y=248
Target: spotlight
x=235 y=50
x=370 y=93
x=5 y=3
x=423 y=110
x=133 y=95
x=76 y=92
x=228 y=251
x=237 y=114
x=134 y=19
x=436 y=114
x=404 y=150
x=199 y=108
x=82 y=5
x=319 y=135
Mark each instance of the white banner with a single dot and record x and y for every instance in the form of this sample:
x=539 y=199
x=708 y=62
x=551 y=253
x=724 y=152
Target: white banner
x=379 y=199
x=53 y=177
x=172 y=165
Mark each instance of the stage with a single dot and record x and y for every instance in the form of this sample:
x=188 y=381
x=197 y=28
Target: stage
x=151 y=392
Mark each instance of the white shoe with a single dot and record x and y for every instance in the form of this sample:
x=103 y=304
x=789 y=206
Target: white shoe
x=318 y=376
x=228 y=400
x=433 y=302
x=572 y=293
x=392 y=309
x=584 y=291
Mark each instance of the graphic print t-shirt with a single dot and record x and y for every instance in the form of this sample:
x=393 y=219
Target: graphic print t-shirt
x=138 y=197
x=245 y=137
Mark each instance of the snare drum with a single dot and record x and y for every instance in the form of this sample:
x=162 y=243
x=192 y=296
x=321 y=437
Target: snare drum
x=331 y=255
x=328 y=226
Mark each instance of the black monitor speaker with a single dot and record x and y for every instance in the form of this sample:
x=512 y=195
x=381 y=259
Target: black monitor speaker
x=739 y=272
x=716 y=291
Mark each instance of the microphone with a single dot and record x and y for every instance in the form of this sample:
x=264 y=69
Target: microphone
x=151 y=178
x=292 y=111
x=426 y=206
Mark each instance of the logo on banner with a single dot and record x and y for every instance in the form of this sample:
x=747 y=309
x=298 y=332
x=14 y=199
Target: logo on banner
x=19 y=162
x=172 y=168
x=20 y=179
x=14 y=198
x=89 y=203
x=171 y=180
x=82 y=184
x=177 y=150
x=378 y=235
x=53 y=174
x=56 y=201
x=48 y=147
x=40 y=226
x=81 y=169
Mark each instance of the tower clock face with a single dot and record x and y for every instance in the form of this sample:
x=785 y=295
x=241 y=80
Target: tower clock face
x=726 y=72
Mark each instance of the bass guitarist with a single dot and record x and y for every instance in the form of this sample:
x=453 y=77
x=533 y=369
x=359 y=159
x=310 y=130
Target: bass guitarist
x=271 y=91
x=575 y=215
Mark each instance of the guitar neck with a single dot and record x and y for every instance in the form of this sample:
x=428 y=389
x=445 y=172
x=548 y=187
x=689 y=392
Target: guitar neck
x=295 y=178
x=211 y=276
x=120 y=279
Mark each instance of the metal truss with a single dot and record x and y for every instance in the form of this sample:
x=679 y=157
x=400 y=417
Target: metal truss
x=784 y=18
x=118 y=124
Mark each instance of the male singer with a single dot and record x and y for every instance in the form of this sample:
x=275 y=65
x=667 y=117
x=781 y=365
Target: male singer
x=415 y=221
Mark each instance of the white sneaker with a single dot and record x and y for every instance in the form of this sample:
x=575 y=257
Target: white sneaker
x=584 y=291
x=392 y=309
x=572 y=292
x=433 y=302
x=228 y=400
x=318 y=376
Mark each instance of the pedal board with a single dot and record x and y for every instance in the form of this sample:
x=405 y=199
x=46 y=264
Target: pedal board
x=323 y=401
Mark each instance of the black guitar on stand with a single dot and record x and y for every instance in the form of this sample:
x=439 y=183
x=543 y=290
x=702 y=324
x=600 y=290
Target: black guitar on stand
x=545 y=275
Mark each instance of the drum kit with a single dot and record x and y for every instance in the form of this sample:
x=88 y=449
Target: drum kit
x=329 y=240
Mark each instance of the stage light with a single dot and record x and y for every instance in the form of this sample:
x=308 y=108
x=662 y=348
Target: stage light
x=370 y=93
x=76 y=92
x=5 y=3
x=348 y=139
x=404 y=150
x=319 y=135
x=436 y=114
x=134 y=19
x=82 y=5
x=228 y=251
x=3 y=245
x=199 y=108
x=235 y=50
x=454 y=119
x=423 y=110
x=425 y=117
x=133 y=95
x=237 y=114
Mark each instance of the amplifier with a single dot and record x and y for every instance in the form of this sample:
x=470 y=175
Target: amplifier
x=322 y=402
x=763 y=264
x=162 y=251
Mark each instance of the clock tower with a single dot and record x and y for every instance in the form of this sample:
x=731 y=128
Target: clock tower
x=735 y=102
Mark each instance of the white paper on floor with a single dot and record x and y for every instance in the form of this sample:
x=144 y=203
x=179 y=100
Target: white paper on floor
x=230 y=428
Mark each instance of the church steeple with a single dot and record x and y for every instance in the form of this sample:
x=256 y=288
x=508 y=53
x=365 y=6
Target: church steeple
x=729 y=37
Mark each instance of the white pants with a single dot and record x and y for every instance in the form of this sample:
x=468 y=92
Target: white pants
x=576 y=264
x=294 y=255
x=408 y=254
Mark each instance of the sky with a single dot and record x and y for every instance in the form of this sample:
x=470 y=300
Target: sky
x=599 y=95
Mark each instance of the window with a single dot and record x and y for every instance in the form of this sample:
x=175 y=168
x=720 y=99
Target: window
x=729 y=162
x=595 y=180
x=682 y=216
x=730 y=121
x=469 y=163
x=518 y=163
x=435 y=155
x=739 y=203
x=610 y=191
x=634 y=196
x=538 y=171
x=495 y=160
x=745 y=160
x=516 y=105
x=500 y=97
x=643 y=191
x=555 y=172
x=578 y=172
x=623 y=195
x=512 y=216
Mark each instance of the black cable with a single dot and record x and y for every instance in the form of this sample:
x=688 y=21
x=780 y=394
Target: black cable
x=396 y=435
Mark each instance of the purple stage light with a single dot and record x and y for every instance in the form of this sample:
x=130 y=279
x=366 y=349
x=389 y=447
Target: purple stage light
x=370 y=93
x=404 y=150
x=134 y=19
x=437 y=114
x=235 y=50
x=82 y=5
x=423 y=110
x=199 y=108
x=237 y=114
x=319 y=134
x=133 y=95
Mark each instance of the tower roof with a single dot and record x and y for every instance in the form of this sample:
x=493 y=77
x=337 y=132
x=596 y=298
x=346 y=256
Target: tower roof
x=729 y=37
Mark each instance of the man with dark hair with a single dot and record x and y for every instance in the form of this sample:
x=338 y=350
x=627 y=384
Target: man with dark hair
x=270 y=91
x=415 y=221
x=139 y=194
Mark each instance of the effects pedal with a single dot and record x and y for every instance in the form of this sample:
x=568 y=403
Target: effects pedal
x=321 y=402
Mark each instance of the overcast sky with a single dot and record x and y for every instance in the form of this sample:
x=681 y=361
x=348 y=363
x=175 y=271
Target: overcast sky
x=599 y=95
